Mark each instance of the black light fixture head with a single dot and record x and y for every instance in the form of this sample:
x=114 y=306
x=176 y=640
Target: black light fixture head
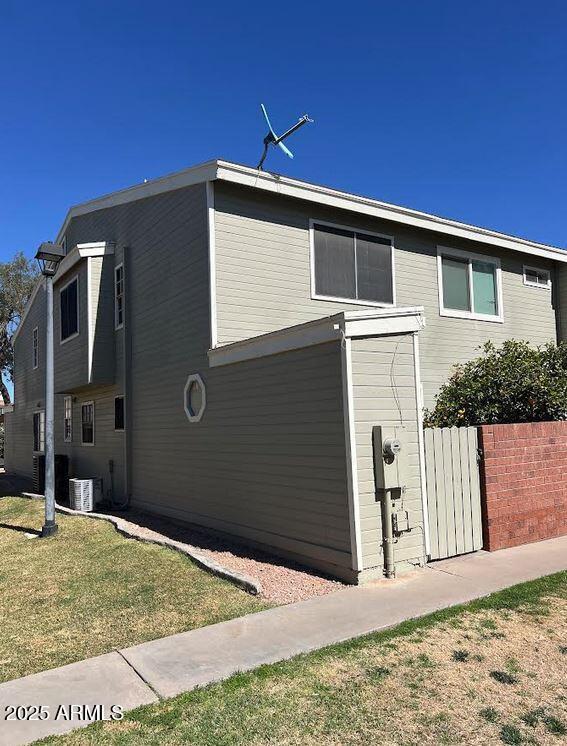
x=48 y=256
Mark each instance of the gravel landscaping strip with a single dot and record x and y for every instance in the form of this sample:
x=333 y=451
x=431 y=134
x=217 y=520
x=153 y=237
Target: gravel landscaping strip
x=260 y=573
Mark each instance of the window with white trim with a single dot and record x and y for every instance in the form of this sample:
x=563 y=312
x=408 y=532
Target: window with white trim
x=119 y=296
x=68 y=419
x=470 y=285
x=35 y=352
x=119 y=413
x=352 y=266
x=537 y=278
x=87 y=423
x=39 y=431
x=69 y=305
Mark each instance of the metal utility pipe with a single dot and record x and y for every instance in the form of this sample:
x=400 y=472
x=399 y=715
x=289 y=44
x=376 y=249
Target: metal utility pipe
x=388 y=533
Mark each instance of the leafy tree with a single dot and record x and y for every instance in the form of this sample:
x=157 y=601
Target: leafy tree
x=511 y=383
x=17 y=280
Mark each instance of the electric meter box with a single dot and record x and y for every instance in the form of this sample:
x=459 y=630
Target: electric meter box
x=390 y=458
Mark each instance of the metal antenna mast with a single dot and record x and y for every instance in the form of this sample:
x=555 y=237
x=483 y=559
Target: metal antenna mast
x=273 y=139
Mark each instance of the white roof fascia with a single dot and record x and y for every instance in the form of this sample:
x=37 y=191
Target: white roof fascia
x=189 y=176
x=348 y=324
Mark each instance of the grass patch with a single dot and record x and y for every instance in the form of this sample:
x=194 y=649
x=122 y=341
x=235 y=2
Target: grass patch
x=358 y=693
x=88 y=590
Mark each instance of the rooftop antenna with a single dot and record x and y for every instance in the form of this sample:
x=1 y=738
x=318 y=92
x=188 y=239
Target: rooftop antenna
x=273 y=139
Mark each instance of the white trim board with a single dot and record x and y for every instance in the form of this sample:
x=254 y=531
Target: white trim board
x=349 y=324
x=212 y=263
x=351 y=458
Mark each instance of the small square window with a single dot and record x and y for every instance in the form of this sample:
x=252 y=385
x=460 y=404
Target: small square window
x=119 y=413
x=537 y=278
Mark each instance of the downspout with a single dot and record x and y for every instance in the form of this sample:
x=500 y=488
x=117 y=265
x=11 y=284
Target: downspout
x=127 y=376
x=126 y=382
x=421 y=443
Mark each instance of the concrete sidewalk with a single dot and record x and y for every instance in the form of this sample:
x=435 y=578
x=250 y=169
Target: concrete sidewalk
x=175 y=664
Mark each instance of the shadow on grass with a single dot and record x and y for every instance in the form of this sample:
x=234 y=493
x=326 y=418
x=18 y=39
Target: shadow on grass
x=20 y=529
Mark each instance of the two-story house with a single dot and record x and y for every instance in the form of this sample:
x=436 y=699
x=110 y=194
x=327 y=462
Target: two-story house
x=227 y=338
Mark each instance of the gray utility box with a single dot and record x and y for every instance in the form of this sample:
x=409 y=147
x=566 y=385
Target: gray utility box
x=390 y=459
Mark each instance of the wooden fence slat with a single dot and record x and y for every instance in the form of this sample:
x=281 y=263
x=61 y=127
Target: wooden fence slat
x=449 y=492
x=441 y=499
x=464 y=434
x=431 y=493
x=459 y=544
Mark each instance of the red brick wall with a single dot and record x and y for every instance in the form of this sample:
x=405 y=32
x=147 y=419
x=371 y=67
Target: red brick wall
x=524 y=482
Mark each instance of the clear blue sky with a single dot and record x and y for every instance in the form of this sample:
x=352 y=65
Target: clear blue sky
x=450 y=107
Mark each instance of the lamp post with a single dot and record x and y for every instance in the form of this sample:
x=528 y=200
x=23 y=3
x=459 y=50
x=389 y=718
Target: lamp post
x=48 y=257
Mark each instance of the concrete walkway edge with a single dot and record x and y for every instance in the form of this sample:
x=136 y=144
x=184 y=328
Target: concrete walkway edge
x=179 y=663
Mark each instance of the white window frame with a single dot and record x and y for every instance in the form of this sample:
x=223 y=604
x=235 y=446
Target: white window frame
x=351 y=301
x=120 y=429
x=84 y=404
x=61 y=289
x=529 y=284
x=449 y=252
x=41 y=413
x=35 y=348
x=68 y=438
x=117 y=324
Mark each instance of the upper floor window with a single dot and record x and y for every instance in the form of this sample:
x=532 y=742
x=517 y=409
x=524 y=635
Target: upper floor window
x=39 y=431
x=537 y=278
x=35 y=351
x=69 y=303
x=470 y=285
x=351 y=266
x=68 y=419
x=119 y=296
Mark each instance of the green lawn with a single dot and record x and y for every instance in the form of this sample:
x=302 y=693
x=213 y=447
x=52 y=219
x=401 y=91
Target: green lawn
x=88 y=590
x=494 y=671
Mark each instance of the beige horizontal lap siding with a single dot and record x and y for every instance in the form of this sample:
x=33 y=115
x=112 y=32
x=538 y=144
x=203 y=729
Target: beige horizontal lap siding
x=267 y=461
x=29 y=390
x=71 y=361
x=528 y=312
x=264 y=279
x=384 y=394
x=87 y=461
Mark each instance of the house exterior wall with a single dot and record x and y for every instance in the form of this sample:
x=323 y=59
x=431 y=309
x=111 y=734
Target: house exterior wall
x=384 y=391
x=267 y=461
x=263 y=279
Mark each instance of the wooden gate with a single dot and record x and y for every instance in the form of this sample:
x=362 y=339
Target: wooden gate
x=453 y=490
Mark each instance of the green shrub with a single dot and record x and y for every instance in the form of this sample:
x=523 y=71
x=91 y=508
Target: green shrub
x=511 y=383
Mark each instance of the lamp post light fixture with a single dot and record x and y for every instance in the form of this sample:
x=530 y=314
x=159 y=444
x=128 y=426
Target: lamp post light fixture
x=48 y=256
